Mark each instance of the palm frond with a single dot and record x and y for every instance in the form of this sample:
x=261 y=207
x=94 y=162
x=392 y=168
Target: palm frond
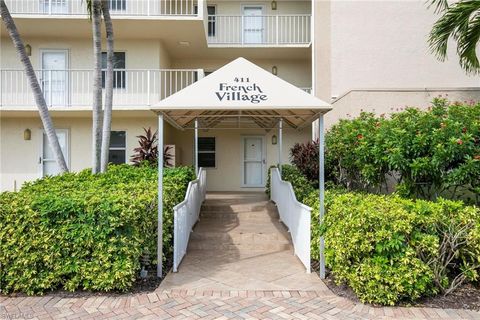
x=440 y=5
x=459 y=22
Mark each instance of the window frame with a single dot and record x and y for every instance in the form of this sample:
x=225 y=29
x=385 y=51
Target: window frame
x=207 y=151
x=115 y=72
x=118 y=148
x=212 y=23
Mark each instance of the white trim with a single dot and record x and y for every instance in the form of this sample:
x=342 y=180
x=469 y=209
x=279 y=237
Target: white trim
x=66 y=154
x=263 y=161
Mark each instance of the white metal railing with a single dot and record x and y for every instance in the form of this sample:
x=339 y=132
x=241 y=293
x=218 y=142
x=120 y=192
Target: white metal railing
x=185 y=215
x=117 y=7
x=64 y=88
x=259 y=30
x=295 y=215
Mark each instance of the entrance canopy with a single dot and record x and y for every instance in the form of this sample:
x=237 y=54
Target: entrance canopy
x=241 y=95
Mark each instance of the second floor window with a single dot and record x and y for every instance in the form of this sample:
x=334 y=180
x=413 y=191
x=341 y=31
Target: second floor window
x=119 y=73
x=117 y=5
x=211 y=12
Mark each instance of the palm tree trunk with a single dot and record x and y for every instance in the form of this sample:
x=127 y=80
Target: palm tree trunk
x=35 y=87
x=97 y=86
x=107 y=117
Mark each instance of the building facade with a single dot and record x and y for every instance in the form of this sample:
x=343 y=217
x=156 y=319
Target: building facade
x=357 y=55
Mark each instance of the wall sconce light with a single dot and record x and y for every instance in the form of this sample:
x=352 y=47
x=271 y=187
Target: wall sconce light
x=274 y=139
x=28 y=50
x=27 y=134
x=274 y=5
x=274 y=70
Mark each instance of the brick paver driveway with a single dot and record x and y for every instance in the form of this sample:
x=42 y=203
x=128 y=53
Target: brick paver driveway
x=240 y=266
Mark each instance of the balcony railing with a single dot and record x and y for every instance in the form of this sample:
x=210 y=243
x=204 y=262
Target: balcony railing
x=117 y=7
x=238 y=30
x=64 y=88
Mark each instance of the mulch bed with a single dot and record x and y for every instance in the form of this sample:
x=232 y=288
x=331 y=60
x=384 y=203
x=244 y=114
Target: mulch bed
x=465 y=297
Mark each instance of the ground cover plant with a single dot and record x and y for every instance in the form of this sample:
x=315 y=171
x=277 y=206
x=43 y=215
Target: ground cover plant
x=83 y=231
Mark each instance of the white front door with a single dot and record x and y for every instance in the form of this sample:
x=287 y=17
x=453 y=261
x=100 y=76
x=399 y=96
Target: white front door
x=47 y=160
x=54 y=6
x=253 y=161
x=253 y=21
x=54 y=77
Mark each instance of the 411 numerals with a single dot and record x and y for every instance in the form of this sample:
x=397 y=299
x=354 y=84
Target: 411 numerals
x=241 y=80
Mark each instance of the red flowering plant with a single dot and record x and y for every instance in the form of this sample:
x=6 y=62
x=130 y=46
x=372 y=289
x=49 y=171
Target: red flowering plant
x=430 y=153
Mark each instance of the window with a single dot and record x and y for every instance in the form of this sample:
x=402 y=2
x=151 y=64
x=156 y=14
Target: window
x=117 y=5
x=206 y=152
x=119 y=76
x=211 y=11
x=118 y=147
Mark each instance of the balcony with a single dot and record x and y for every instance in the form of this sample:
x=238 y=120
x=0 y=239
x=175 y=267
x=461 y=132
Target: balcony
x=73 y=88
x=174 y=8
x=259 y=30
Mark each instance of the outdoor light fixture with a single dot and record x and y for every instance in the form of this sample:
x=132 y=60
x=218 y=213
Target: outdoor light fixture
x=28 y=50
x=274 y=139
x=274 y=70
x=27 y=134
x=274 y=5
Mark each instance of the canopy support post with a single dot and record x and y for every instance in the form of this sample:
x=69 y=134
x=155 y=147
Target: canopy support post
x=321 y=188
x=280 y=145
x=195 y=146
x=160 y=197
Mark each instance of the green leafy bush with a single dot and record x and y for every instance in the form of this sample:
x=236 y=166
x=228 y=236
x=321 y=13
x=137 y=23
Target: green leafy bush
x=388 y=249
x=430 y=153
x=84 y=231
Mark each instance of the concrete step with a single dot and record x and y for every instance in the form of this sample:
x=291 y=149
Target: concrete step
x=247 y=216
x=228 y=207
x=240 y=237
x=239 y=247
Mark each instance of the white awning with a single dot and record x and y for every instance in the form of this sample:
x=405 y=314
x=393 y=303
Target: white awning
x=241 y=89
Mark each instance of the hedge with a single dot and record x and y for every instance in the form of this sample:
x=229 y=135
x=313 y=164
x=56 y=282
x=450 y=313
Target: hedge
x=83 y=231
x=390 y=249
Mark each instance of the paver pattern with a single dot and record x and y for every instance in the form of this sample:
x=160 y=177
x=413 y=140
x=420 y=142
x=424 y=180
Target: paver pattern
x=240 y=265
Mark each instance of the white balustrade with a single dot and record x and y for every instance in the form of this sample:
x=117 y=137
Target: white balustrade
x=63 y=88
x=252 y=30
x=117 y=7
x=185 y=215
x=295 y=215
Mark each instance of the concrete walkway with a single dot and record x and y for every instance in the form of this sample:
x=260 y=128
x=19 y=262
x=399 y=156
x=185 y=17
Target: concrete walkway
x=240 y=265
x=240 y=244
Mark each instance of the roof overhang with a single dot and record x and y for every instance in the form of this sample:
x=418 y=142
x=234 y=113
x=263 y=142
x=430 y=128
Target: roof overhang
x=243 y=91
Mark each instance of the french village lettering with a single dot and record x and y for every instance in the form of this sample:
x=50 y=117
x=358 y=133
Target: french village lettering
x=243 y=91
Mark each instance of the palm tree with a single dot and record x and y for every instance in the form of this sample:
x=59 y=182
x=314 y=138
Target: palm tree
x=107 y=116
x=460 y=21
x=96 y=16
x=35 y=87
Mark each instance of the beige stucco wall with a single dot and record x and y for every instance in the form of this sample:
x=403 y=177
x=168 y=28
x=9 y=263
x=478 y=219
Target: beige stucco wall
x=295 y=71
x=19 y=158
x=283 y=7
x=227 y=174
x=140 y=54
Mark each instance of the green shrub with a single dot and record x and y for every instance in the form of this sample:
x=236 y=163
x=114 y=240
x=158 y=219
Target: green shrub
x=389 y=249
x=430 y=153
x=84 y=231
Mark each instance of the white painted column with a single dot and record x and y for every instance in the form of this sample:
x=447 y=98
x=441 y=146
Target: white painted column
x=160 y=197
x=321 y=187
x=280 y=145
x=195 y=146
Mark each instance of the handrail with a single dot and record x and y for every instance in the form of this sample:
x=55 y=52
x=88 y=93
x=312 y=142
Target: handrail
x=294 y=214
x=185 y=215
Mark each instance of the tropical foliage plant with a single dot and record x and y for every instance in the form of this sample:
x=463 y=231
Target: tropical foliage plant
x=147 y=151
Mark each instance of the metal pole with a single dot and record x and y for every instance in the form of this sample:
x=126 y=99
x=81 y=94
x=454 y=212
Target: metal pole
x=160 y=197
x=280 y=145
x=321 y=187
x=195 y=143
